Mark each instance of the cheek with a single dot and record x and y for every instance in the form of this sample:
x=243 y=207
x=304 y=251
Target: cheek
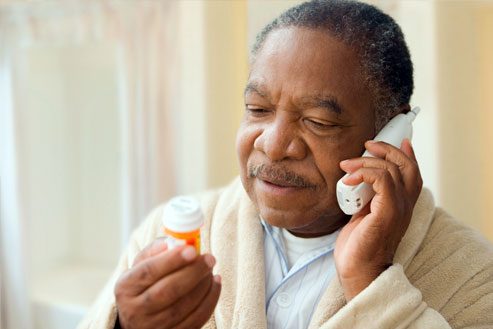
x=327 y=160
x=245 y=140
x=329 y=153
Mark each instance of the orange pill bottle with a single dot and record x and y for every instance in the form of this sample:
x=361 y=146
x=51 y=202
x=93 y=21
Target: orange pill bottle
x=182 y=219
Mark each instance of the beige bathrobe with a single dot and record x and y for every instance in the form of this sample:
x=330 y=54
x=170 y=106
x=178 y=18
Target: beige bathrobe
x=442 y=275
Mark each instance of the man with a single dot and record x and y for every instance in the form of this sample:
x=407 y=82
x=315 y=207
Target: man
x=325 y=77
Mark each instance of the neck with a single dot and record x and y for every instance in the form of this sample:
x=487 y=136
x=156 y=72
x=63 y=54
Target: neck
x=320 y=227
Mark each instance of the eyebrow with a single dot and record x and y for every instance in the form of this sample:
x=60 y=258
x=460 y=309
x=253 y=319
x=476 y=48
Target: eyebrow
x=327 y=102
x=255 y=87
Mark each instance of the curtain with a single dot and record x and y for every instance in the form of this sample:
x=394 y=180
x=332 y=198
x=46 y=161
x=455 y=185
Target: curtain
x=13 y=311
x=47 y=188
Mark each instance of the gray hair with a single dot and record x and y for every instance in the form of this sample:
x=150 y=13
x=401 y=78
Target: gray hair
x=374 y=35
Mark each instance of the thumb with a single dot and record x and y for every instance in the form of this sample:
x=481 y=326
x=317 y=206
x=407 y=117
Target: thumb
x=407 y=148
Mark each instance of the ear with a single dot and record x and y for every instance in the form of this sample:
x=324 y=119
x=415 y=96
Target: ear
x=404 y=108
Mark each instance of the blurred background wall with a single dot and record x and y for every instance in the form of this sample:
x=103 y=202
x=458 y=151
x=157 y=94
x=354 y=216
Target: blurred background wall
x=107 y=108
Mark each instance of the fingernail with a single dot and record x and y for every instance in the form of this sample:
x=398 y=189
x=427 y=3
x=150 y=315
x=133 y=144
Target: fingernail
x=217 y=278
x=210 y=260
x=344 y=162
x=188 y=253
x=371 y=141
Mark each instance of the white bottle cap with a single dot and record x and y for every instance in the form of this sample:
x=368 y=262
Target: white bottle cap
x=182 y=214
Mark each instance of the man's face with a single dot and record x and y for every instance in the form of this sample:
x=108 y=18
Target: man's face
x=307 y=109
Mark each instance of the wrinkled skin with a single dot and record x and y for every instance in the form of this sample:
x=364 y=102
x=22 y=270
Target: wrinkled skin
x=307 y=108
x=167 y=289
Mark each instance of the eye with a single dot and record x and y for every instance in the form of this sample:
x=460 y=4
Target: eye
x=319 y=124
x=257 y=111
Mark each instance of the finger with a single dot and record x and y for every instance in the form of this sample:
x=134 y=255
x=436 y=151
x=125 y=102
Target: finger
x=147 y=272
x=178 y=284
x=417 y=180
x=409 y=167
x=157 y=246
x=380 y=179
x=408 y=149
x=202 y=313
x=388 y=152
x=383 y=205
x=185 y=305
x=352 y=165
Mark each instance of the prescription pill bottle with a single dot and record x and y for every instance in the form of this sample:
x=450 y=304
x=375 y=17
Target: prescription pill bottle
x=182 y=219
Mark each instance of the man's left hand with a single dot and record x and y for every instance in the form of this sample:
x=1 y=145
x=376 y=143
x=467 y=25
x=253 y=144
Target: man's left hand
x=367 y=244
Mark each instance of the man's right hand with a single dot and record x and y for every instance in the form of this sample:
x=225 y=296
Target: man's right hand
x=167 y=289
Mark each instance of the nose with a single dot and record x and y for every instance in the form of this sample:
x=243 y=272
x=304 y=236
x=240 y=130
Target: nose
x=280 y=140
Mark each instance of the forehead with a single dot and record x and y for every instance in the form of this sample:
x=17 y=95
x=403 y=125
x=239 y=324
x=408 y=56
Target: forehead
x=303 y=62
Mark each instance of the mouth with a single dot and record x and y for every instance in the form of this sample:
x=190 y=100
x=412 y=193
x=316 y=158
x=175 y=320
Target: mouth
x=274 y=188
x=277 y=183
x=278 y=187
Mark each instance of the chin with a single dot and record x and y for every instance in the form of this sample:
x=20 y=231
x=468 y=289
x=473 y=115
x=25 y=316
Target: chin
x=288 y=219
x=303 y=217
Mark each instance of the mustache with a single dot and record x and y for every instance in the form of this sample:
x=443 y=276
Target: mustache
x=279 y=176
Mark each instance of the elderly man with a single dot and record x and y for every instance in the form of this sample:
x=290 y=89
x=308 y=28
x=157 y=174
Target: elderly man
x=325 y=77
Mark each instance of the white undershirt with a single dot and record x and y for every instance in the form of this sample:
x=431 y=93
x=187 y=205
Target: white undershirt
x=295 y=246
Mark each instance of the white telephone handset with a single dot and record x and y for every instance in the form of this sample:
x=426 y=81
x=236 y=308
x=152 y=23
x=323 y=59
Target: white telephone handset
x=353 y=198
